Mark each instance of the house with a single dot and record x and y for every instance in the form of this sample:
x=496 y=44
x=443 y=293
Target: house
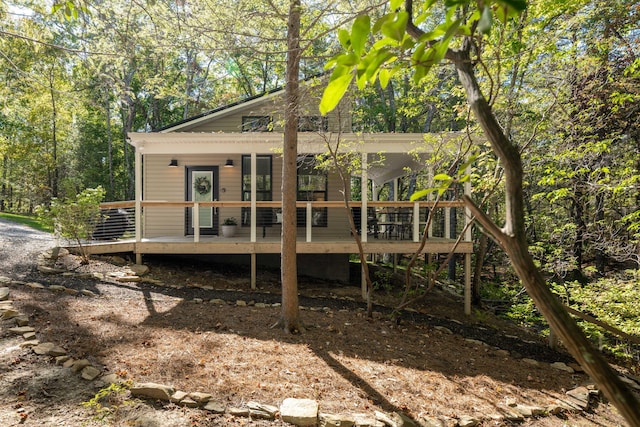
x=226 y=163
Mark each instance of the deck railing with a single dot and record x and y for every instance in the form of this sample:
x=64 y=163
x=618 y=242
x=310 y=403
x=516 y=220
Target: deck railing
x=317 y=220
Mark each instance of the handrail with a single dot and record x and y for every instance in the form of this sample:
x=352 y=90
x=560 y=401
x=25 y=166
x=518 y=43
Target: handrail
x=278 y=204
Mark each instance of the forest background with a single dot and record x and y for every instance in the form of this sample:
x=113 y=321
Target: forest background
x=564 y=80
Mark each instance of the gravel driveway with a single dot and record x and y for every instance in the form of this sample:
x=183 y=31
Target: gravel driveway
x=19 y=248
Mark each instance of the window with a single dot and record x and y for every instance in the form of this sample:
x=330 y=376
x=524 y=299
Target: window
x=263 y=189
x=312 y=186
x=313 y=124
x=257 y=124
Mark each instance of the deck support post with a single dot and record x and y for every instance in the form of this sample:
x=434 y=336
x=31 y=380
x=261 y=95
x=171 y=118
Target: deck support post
x=196 y=222
x=254 y=270
x=363 y=282
x=467 y=284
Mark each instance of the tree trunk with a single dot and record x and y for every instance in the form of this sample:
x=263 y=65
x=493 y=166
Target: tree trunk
x=290 y=315
x=512 y=239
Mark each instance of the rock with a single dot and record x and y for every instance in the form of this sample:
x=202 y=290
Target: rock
x=5 y=279
x=198 y=300
x=215 y=407
x=21 y=320
x=9 y=313
x=630 y=382
x=69 y=363
x=260 y=305
x=531 y=362
x=50 y=270
x=468 y=421
x=60 y=360
x=87 y=293
x=139 y=269
x=128 y=279
x=580 y=396
x=364 y=420
x=35 y=285
x=4 y=294
x=70 y=291
x=90 y=373
x=334 y=420
x=189 y=403
x=21 y=330
x=31 y=343
x=443 y=329
x=555 y=409
x=152 y=391
x=262 y=411
x=199 y=397
x=49 y=349
x=57 y=288
x=178 y=396
x=502 y=353
x=29 y=335
x=299 y=412
x=562 y=367
x=79 y=365
x=476 y=342
x=241 y=303
x=431 y=422
x=217 y=301
x=239 y=412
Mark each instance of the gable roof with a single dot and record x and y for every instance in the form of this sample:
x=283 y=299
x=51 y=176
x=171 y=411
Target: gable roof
x=229 y=108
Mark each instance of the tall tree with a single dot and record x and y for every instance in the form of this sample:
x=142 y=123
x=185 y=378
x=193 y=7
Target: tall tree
x=468 y=21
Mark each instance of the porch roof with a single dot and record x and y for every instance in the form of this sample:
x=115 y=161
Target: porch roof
x=400 y=151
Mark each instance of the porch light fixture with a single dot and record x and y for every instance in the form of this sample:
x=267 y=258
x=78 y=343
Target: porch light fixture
x=173 y=163
x=229 y=163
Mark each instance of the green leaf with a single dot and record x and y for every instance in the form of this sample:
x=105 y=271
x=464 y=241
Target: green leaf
x=486 y=20
x=442 y=177
x=384 y=76
x=348 y=59
x=421 y=194
x=334 y=92
x=395 y=4
x=396 y=28
x=344 y=38
x=517 y=5
x=359 y=33
x=381 y=21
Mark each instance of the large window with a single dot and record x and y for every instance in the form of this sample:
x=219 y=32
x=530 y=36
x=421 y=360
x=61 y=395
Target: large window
x=264 y=189
x=312 y=186
x=257 y=124
x=313 y=124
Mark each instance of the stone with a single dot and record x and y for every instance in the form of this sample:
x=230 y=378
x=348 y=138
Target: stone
x=241 y=303
x=260 y=305
x=262 y=411
x=402 y=420
x=21 y=320
x=139 y=269
x=19 y=330
x=443 y=329
x=199 y=397
x=128 y=279
x=215 y=407
x=29 y=335
x=9 y=313
x=178 y=396
x=152 y=391
x=365 y=420
x=87 y=293
x=239 y=412
x=217 y=301
x=70 y=291
x=35 y=285
x=336 y=420
x=90 y=373
x=31 y=343
x=562 y=367
x=57 y=288
x=189 y=403
x=198 y=300
x=49 y=349
x=476 y=342
x=79 y=365
x=431 y=422
x=60 y=360
x=299 y=412
x=502 y=353
x=5 y=279
x=555 y=409
x=531 y=362
x=468 y=421
x=580 y=397
x=630 y=382
x=50 y=270
x=69 y=363
x=4 y=294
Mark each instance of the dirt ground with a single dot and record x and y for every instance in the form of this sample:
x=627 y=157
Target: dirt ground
x=427 y=364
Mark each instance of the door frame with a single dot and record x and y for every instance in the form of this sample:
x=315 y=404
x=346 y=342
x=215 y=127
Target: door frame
x=188 y=191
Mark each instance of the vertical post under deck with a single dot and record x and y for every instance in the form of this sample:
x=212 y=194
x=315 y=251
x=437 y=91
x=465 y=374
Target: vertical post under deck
x=138 y=202
x=253 y=270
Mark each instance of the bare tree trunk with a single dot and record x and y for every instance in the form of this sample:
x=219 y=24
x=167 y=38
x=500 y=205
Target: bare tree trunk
x=290 y=315
x=512 y=239
x=54 y=135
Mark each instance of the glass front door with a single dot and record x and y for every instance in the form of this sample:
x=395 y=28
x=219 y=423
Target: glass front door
x=202 y=186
